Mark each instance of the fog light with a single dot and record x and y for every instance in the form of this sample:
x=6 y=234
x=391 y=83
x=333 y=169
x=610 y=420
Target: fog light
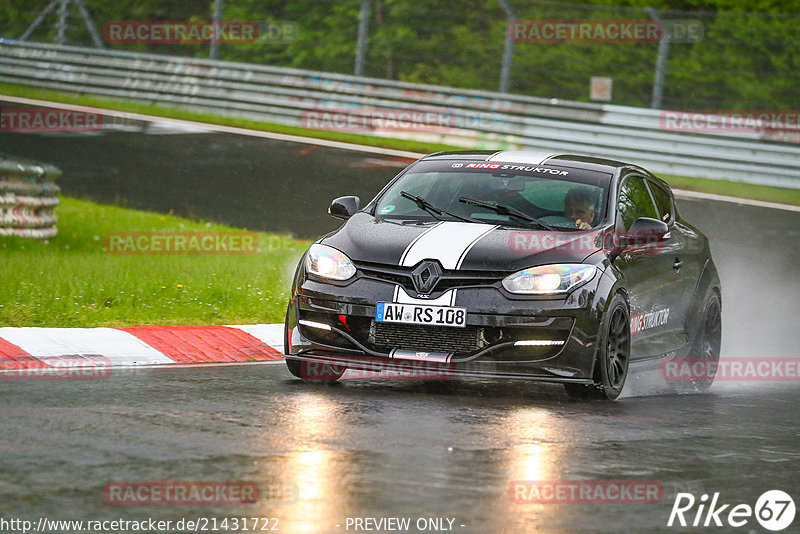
x=314 y=324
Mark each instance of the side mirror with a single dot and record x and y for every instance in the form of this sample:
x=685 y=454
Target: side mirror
x=645 y=231
x=344 y=207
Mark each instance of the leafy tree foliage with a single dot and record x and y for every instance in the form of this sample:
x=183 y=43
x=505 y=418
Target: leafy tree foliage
x=748 y=57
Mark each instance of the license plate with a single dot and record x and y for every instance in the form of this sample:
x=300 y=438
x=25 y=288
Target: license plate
x=392 y=312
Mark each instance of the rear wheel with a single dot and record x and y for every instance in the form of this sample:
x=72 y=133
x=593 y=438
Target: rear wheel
x=703 y=357
x=613 y=355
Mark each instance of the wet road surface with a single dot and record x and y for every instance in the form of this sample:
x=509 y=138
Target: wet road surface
x=320 y=454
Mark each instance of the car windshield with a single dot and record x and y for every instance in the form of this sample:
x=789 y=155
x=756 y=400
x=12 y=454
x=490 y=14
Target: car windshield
x=509 y=195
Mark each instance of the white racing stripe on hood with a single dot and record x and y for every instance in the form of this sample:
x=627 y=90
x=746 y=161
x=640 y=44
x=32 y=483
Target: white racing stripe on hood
x=447 y=242
x=414 y=242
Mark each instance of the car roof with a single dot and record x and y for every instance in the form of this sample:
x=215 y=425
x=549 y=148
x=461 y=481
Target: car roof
x=536 y=157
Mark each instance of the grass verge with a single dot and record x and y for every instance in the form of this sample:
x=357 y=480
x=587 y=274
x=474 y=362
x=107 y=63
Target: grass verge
x=781 y=195
x=71 y=281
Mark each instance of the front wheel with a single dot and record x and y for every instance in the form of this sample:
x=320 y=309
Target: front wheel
x=613 y=355
x=313 y=371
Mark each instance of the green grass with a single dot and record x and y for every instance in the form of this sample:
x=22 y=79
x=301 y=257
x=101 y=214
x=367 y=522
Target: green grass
x=72 y=281
x=780 y=195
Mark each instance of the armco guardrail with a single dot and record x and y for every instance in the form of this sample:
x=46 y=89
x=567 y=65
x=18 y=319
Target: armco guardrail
x=27 y=198
x=479 y=119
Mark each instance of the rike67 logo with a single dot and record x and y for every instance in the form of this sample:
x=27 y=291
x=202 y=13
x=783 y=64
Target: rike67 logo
x=774 y=510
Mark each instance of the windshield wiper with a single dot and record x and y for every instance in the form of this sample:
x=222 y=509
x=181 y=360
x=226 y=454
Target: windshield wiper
x=506 y=210
x=437 y=212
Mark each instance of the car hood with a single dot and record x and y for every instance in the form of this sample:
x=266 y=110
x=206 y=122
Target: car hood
x=458 y=245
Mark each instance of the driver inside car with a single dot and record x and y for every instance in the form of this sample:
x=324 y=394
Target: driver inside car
x=578 y=210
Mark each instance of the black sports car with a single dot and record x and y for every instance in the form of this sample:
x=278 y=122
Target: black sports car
x=512 y=264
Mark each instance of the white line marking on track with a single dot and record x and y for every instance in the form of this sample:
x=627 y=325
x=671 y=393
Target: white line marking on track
x=683 y=193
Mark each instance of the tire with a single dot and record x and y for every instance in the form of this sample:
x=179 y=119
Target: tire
x=286 y=333
x=294 y=367
x=613 y=355
x=706 y=347
x=310 y=371
x=315 y=372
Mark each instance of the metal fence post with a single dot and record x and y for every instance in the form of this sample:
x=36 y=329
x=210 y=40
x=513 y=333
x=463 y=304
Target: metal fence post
x=361 y=45
x=213 y=52
x=508 y=49
x=61 y=25
x=661 y=62
x=87 y=19
x=39 y=19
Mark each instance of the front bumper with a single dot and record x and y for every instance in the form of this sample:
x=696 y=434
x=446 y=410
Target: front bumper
x=548 y=339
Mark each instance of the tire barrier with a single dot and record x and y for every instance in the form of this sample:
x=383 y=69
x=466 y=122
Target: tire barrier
x=28 y=196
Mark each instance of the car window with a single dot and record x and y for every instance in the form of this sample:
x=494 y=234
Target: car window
x=420 y=186
x=547 y=193
x=535 y=196
x=663 y=202
x=634 y=202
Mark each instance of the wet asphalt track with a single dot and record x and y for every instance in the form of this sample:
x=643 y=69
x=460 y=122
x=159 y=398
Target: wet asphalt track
x=320 y=454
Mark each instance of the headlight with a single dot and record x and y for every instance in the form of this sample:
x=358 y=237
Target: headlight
x=327 y=262
x=549 y=279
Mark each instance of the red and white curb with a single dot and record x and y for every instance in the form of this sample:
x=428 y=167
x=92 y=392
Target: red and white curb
x=37 y=348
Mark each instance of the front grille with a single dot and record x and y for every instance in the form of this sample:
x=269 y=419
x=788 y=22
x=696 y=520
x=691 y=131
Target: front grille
x=387 y=336
x=448 y=280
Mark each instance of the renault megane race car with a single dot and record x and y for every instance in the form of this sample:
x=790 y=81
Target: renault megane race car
x=508 y=264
